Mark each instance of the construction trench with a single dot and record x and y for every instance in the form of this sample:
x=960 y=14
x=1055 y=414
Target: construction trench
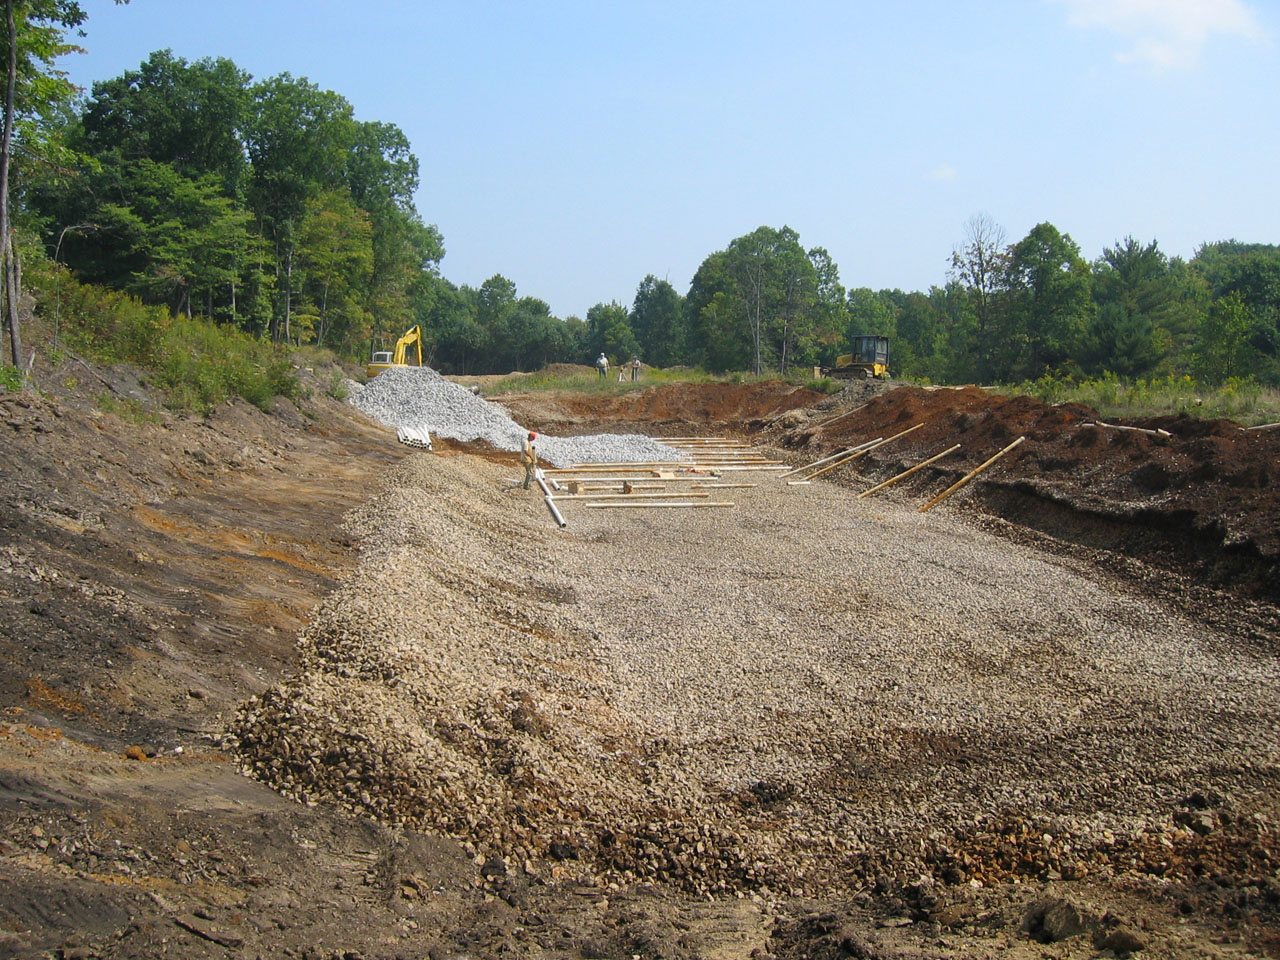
x=792 y=688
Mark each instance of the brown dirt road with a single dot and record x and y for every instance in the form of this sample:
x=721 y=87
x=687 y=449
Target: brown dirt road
x=153 y=575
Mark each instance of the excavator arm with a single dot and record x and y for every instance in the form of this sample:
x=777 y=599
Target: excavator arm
x=412 y=338
x=407 y=352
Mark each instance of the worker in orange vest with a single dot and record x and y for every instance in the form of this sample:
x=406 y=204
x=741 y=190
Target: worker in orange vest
x=529 y=457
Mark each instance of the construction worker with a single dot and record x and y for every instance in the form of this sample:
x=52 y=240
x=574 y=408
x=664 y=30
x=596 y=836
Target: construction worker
x=529 y=457
x=602 y=364
x=635 y=368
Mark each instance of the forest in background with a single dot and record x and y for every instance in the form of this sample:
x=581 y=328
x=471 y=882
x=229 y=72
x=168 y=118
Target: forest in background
x=268 y=208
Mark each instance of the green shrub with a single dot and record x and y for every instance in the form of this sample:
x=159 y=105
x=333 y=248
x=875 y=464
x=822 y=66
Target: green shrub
x=1242 y=400
x=824 y=385
x=337 y=386
x=10 y=378
x=197 y=363
x=202 y=364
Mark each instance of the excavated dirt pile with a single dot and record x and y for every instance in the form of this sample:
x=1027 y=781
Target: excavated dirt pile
x=1202 y=501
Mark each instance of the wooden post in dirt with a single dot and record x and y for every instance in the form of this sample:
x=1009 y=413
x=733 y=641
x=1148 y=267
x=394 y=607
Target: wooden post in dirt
x=816 y=463
x=969 y=476
x=907 y=473
x=865 y=450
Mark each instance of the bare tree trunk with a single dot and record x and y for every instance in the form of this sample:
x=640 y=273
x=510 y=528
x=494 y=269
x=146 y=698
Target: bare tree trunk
x=288 y=292
x=6 y=240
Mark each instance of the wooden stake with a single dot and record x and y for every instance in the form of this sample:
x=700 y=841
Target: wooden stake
x=879 y=443
x=1118 y=426
x=628 y=496
x=833 y=456
x=657 y=506
x=969 y=476
x=907 y=473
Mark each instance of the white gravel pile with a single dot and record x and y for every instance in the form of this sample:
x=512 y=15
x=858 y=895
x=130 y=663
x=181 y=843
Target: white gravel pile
x=418 y=396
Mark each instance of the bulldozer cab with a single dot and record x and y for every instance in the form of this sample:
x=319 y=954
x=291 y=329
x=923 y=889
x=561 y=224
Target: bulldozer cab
x=870 y=358
x=871 y=350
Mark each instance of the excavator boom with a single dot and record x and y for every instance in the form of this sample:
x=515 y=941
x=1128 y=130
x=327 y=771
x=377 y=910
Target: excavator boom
x=407 y=352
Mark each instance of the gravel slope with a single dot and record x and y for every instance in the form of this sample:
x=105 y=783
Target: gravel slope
x=420 y=397
x=803 y=691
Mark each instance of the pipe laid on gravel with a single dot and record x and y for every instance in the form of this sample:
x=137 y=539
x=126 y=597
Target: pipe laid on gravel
x=549 y=498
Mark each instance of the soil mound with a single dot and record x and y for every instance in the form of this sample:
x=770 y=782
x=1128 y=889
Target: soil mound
x=1199 y=497
x=691 y=408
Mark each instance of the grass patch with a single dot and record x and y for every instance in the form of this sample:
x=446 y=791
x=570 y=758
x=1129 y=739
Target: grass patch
x=10 y=378
x=125 y=408
x=589 y=381
x=1244 y=401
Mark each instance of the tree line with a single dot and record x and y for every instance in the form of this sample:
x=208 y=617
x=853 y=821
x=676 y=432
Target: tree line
x=266 y=205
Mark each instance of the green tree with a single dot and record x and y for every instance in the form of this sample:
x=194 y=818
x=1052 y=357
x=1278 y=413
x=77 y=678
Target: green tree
x=1126 y=290
x=870 y=314
x=753 y=302
x=608 y=332
x=794 y=292
x=718 y=335
x=335 y=254
x=980 y=266
x=33 y=39
x=185 y=236
x=1223 y=351
x=956 y=356
x=187 y=115
x=1050 y=305
x=298 y=141
x=657 y=315
x=830 y=315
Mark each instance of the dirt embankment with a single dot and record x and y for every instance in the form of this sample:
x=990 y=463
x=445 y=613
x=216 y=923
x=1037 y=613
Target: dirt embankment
x=153 y=576
x=1198 y=499
x=1200 y=502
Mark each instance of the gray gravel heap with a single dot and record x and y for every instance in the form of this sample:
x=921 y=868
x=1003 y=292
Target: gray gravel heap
x=414 y=396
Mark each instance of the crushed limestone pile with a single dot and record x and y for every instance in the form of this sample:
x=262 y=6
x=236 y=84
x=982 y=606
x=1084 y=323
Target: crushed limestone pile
x=418 y=396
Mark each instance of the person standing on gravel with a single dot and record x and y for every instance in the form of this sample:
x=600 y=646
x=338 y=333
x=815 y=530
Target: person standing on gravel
x=529 y=457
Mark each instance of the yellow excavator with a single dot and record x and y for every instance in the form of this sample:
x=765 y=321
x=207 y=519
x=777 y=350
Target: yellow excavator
x=400 y=355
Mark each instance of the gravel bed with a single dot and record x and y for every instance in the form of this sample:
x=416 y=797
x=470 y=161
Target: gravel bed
x=802 y=691
x=418 y=396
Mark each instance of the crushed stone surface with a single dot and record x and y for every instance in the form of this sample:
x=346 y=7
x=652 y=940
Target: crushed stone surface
x=418 y=396
x=805 y=690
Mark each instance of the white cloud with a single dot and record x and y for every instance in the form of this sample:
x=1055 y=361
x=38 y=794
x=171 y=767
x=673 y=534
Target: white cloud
x=1166 y=34
x=943 y=174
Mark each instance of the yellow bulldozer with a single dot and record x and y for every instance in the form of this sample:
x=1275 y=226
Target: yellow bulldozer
x=406 y=353
x=870 y=358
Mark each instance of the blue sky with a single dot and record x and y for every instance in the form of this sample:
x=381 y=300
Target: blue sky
x=575 y=147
